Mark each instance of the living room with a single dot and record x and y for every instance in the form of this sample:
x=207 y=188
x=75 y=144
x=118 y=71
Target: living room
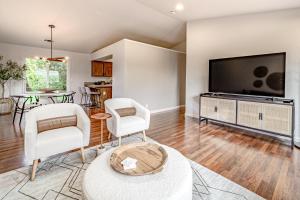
x=165 y=100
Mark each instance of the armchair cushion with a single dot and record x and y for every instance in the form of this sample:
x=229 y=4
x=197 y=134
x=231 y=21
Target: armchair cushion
x=132 y=124
x=55 y=123
x=59 y=140
x=123 y=112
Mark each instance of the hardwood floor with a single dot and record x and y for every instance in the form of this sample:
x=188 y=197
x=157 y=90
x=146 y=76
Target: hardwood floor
x=264 y=166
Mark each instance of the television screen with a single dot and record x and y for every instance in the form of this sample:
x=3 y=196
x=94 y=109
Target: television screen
x=261 y=75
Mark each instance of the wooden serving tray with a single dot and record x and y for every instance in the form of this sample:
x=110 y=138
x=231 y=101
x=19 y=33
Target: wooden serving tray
x=150 y=158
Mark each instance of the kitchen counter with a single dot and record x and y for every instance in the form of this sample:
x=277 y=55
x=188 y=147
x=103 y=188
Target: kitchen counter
x=99 y=86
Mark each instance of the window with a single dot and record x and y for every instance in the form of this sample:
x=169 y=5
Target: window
x=42 y=74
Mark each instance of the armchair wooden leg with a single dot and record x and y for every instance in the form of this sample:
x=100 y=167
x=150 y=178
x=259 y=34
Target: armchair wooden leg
x=34 y=167
x=120 y=141
x=82 y=155
x=144 y=135
x=109 y=136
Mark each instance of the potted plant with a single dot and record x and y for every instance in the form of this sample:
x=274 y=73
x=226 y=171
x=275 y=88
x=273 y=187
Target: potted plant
x=9 y=70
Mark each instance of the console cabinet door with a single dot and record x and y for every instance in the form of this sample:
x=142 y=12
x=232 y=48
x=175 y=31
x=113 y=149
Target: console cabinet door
x=209 y=107
x=248 y=114
x=227 y=110
x=277 y=118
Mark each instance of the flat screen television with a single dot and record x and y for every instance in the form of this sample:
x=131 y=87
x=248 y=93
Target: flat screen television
x=260 y=75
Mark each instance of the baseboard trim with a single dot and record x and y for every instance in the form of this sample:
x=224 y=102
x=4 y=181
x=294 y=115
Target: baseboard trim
x=166 y=109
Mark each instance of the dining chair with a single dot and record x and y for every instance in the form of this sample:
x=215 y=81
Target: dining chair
x=70 y=97
x=63 y=98
x=83 y=94
x=23 y=104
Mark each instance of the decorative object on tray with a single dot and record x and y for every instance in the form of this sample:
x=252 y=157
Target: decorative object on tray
x=150 y=158
x=9 y=70
x=129 y=163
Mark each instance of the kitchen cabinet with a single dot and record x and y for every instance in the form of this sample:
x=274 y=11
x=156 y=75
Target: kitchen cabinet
x=97 y=68
x=101 y=69
x=107 y=69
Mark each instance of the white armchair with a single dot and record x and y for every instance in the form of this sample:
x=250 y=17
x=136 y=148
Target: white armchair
x=54 y=140
x=120 y=126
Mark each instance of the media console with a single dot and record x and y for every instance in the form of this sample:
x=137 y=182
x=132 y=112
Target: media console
x=271 y=115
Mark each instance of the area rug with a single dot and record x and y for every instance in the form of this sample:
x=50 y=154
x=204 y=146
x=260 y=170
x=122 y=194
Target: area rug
x=59 y=177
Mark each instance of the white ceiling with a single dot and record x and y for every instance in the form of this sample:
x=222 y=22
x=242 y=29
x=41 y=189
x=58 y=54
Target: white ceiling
x=202 y=9
x=87 y=25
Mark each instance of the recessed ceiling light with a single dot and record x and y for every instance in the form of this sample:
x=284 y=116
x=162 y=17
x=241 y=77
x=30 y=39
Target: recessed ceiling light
x=179 y=7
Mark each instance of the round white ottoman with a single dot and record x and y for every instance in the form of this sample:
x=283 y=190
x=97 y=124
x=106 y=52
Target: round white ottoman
x=174 y=182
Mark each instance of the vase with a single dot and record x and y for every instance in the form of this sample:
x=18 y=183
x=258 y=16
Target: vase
x=6 y=106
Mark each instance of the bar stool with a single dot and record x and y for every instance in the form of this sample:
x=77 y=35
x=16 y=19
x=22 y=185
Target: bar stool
x=83 y=94
x=93 y=98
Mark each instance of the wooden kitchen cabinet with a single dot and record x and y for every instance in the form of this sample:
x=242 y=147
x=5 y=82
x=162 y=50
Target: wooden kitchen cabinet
x=101 y=69
x=97 y=68
x=107 y=69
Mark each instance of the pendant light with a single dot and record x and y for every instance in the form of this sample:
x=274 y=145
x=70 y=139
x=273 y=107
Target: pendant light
x=56 y=59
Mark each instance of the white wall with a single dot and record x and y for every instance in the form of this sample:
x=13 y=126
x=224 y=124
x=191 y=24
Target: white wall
x=240 y=36
x=79 y=66
x=152 y=75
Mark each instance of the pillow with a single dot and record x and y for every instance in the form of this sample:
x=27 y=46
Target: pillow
x=123 y=112
x=55 y=123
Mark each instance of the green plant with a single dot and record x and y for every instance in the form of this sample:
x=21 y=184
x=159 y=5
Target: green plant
x=10 y=70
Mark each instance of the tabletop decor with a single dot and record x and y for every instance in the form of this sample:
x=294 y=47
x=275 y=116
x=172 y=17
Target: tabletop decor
x=9 y=70
x=150 y=159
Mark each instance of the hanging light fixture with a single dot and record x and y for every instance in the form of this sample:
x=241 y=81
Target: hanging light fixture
x=57 y=59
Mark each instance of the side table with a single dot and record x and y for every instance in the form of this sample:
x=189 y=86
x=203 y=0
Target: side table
x=101 y=117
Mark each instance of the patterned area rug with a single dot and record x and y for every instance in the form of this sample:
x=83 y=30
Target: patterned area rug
x=59 y=177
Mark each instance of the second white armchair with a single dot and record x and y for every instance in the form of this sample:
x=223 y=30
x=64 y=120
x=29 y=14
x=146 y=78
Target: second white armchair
x=120 y=126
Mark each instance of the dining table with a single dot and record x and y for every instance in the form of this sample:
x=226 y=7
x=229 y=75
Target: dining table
x=26 y=101
x=43 y=95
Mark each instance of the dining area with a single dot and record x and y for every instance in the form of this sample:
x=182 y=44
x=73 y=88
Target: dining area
x=22 y=103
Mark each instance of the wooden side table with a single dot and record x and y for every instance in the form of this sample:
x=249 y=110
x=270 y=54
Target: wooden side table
x=101 y=117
